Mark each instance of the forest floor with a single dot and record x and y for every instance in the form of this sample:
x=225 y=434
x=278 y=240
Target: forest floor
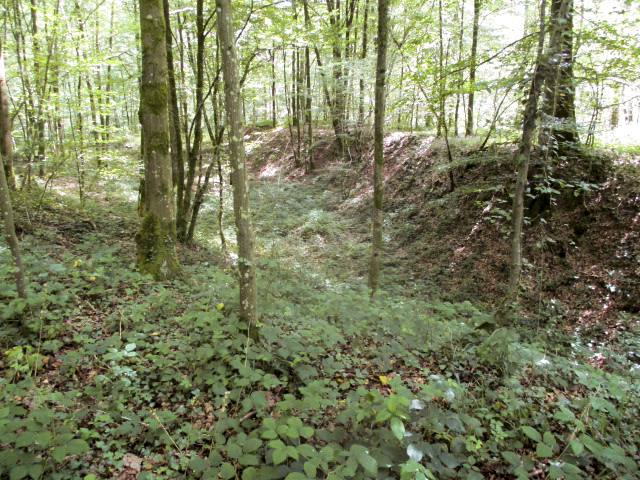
x=125 y=378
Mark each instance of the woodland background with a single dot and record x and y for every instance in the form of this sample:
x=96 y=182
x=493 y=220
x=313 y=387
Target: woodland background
x=455 y=366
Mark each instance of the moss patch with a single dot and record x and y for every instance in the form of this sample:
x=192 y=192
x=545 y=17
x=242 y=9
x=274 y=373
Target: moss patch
x=156 y=249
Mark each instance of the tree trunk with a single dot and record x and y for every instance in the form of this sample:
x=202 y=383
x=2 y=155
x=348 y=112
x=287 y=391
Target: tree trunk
x=378 y=185
x=241 y=208
x=559 y=132
x=6 y=152
x=363 y=57
x=40 y=83
x=157 y=236
x=6 y=140
x=175 y=136
x=10 y=233
x=194 y=149
x=307 y=109
x=472 y=67
x=503 y=311
x=272 y=60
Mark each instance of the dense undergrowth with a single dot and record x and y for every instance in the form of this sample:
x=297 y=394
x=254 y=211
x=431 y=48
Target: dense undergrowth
x=121 y=377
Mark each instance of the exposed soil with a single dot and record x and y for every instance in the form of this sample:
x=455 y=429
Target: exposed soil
x=451 y=241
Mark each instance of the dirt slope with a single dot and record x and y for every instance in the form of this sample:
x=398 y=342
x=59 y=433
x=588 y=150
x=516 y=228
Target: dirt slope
x=449 y=240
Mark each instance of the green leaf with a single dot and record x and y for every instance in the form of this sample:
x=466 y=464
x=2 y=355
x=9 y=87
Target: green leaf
x=310 y=469
x=259 y=399
x=295 y=422
x=269 y=423
x=292 y=432
x=397 y=427
x=327 y=453
x=591 y=444
x=198 y=464
x=306 y=432
x=43 y=439
x=276 y=444
x=383 y=415
x=512 y=457
x=248 y=459
x=59 y=453
x=292 y=452
x=392 y=404
x=576 y=446
x=522 y=473
x=35 y=470
x=26 y=439
x=555 y=472
x=306 y=450
x=368 y=462
x=279 y=456
x=269 y=434
x=251 y=445
x=227 y=471
x=549 y=439
x=296 y=476
x=77 y=446
x=19 y=472
x=532 y=433
x=250 y=474
x=544 y=450
x=233 y=450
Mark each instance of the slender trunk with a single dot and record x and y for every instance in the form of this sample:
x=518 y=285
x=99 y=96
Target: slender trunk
x=363 y=57
x=106 y=135
x=441 y=78
x=460 y=74
x=177 y=162
x=241 y=207
x=337 y=105
x=272 y=59
x=522 y=164
x=194 y=150
x=40 y=86
x=296 y=160
x=6 y=139
x=307 y=110
x=472 y=66
x=378 y=185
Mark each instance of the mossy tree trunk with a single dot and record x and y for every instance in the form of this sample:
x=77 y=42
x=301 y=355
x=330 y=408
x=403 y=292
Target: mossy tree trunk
x=378 y=185
x=10 y=233
x=503 y=311
x=6 y=141
x=157 y=236
x=6 y=151
x=560 y=133
x=244 y=229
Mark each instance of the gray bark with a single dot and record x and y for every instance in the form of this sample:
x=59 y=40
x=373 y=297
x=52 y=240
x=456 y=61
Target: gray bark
x=241 y=207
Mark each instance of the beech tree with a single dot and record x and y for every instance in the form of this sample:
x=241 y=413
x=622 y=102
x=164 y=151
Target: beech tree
x=5 y=200
x=559 y=132
x=241 y=207
x=156 y=238
x=6 y=139
x=378 y=185
x=522 y=168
